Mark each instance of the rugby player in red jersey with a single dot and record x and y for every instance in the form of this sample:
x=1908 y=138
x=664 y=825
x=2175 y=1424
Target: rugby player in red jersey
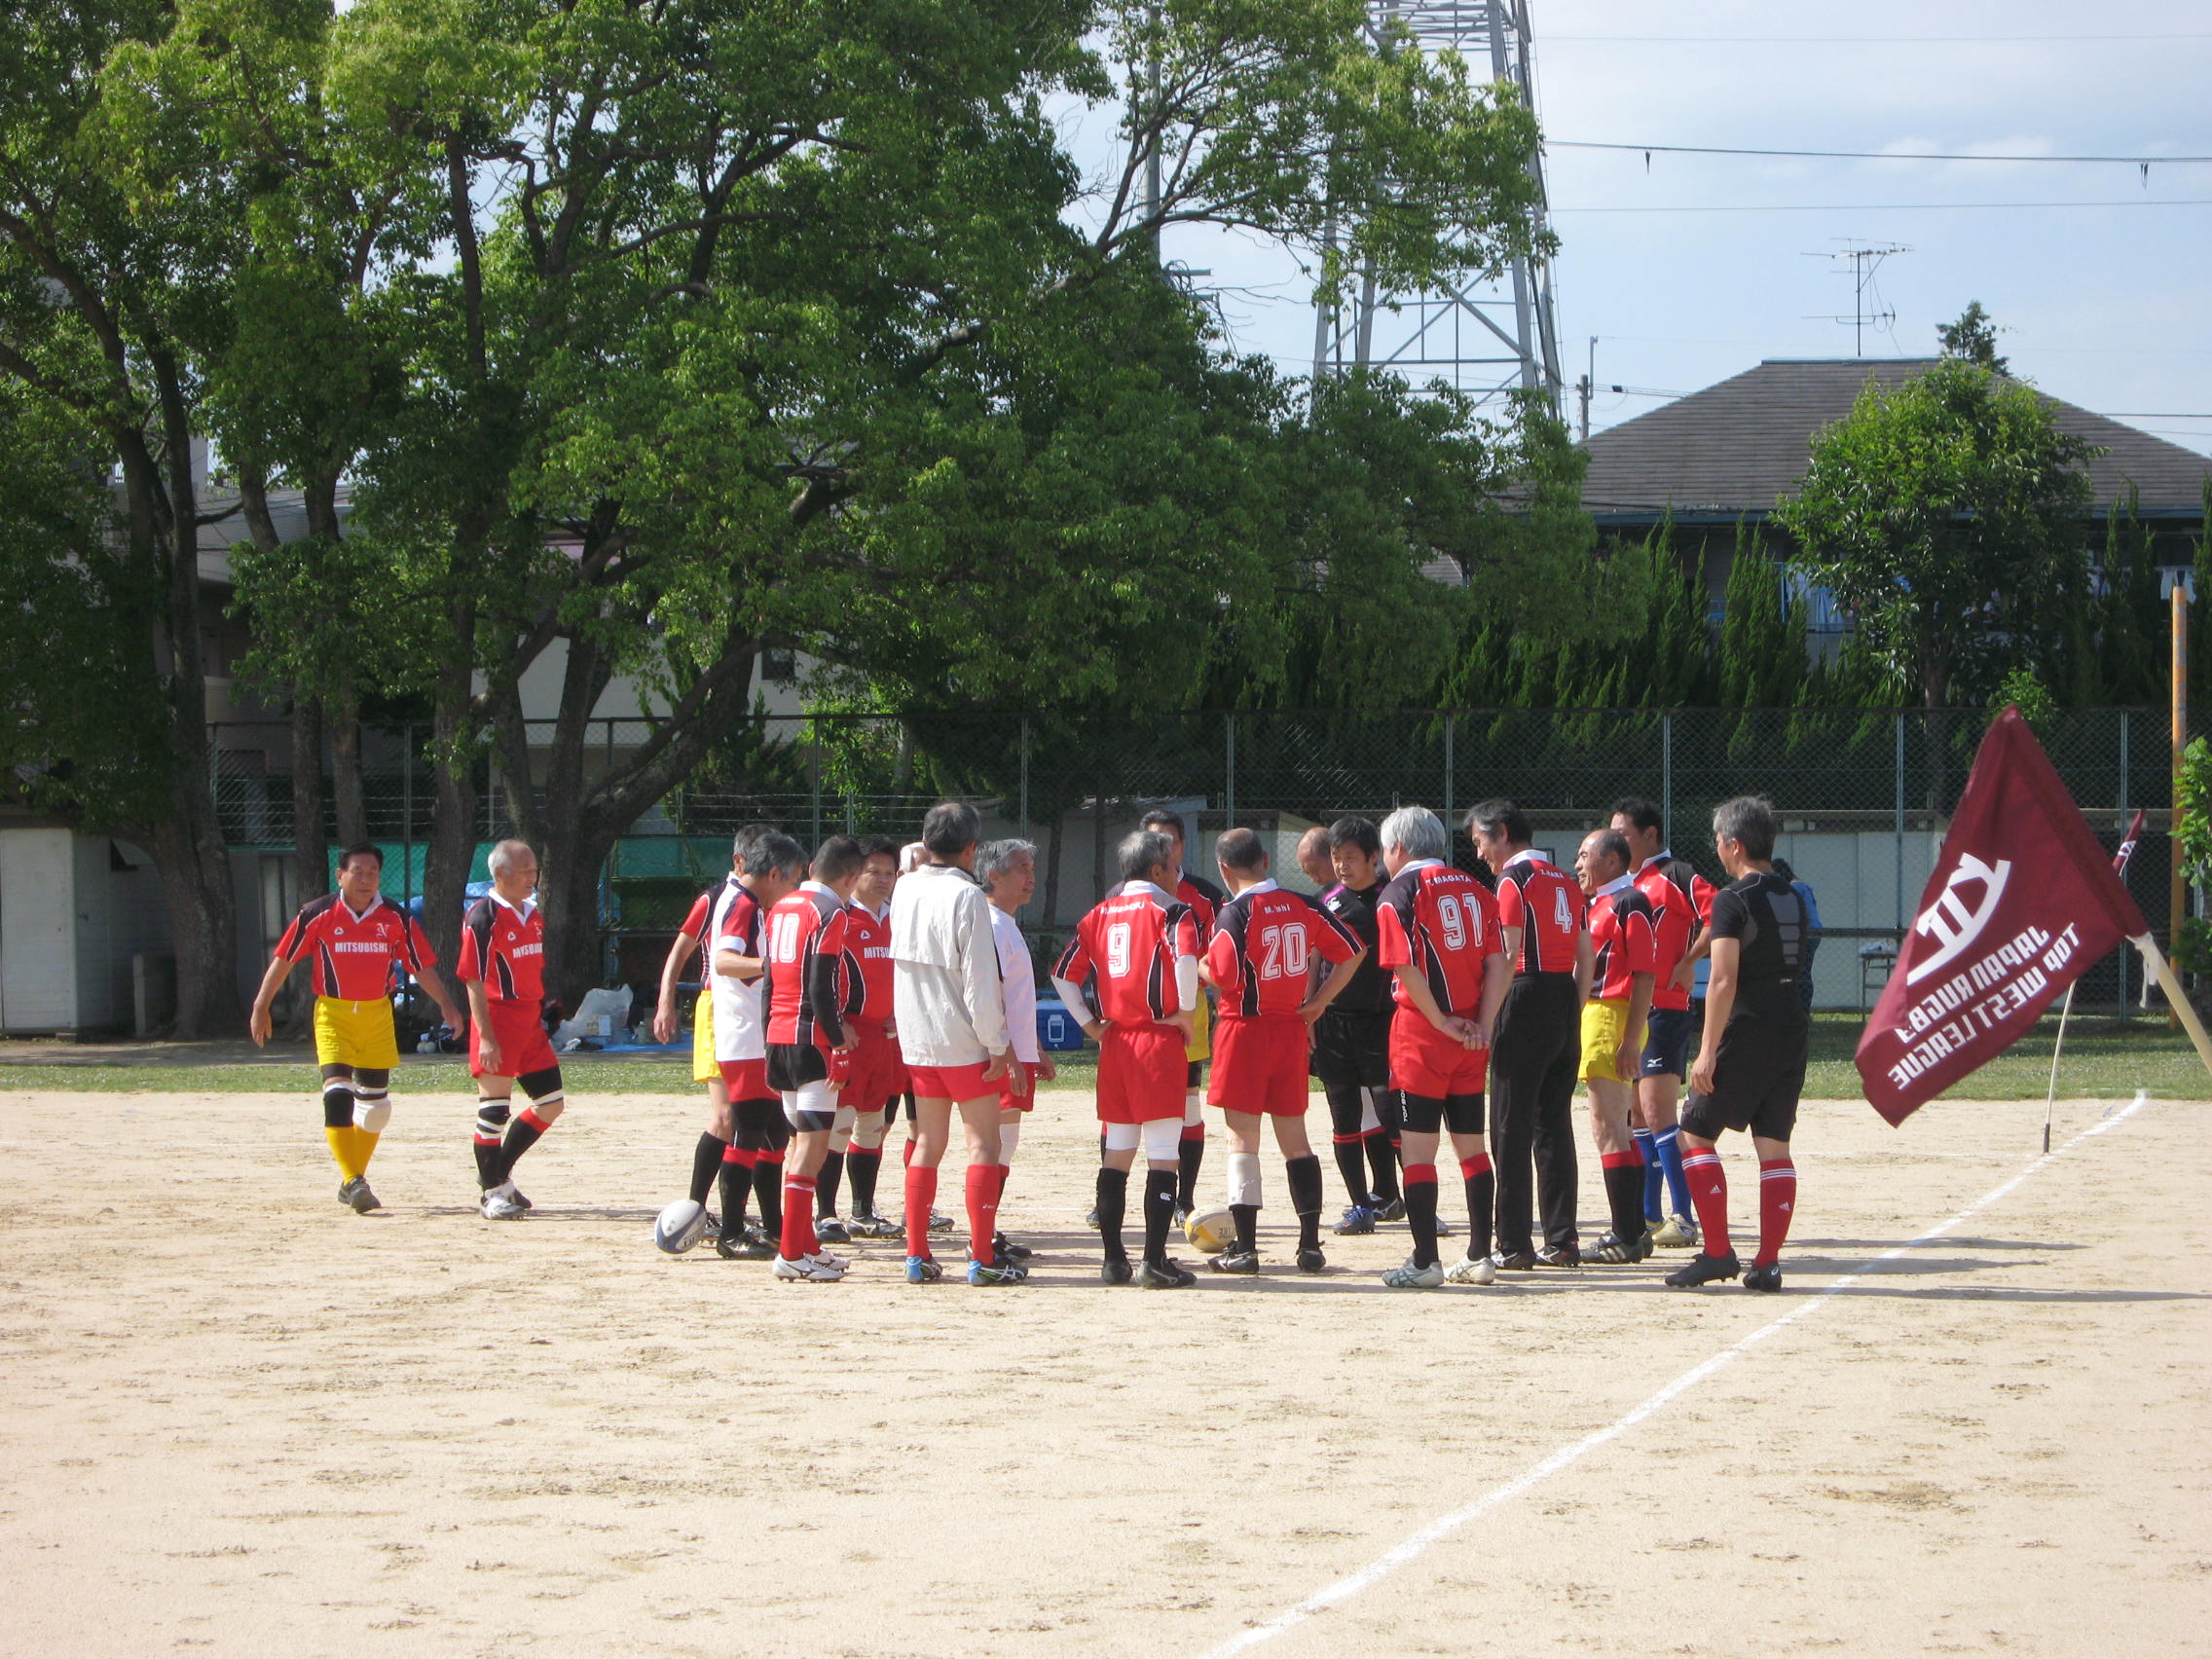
x=1620 y=991
x=1204 y=899
x=353 y=939
x=1264 y=943
x=813 y=983
x=1130 y=975
x=502 y=963
x=752 y=1168
x=878 y=1076
x=1439 y=933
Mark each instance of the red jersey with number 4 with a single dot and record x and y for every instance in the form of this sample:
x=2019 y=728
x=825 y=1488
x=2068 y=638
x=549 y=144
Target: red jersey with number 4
x=811 y=978
x=868 y=936
x=1681 y=902
x=352 y=955
x=1542 y=900
x=1626 y=941
x=1263 y=941
x=1126 y=948
x=1442 y=923
x=505 y=947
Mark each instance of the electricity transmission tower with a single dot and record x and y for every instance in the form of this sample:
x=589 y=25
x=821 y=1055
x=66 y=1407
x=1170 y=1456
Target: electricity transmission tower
x=1481 y=338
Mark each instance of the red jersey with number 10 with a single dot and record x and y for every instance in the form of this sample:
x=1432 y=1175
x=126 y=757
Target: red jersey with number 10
x=1442 y=923
x=813 y=981
x=1128 y=944
x=1263 y=941
x=353 y=955
x=1542 y=900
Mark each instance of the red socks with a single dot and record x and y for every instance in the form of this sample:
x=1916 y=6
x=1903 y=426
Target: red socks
x=798 y=1237
x=1708 y=1193
x=528 y=1115
x=1470 y=1167
x=745 y=1157
x=1778 y=1198
x=983 y=1181
x=921 y=1195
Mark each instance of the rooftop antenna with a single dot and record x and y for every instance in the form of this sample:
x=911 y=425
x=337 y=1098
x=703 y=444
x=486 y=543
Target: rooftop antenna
x=1866 y=304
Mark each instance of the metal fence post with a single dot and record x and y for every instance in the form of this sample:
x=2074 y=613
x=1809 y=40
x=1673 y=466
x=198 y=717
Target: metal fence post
x=1451 y=723
x=1229 y=766
x=1900 y=823
x=1025 y=835
x=407 y=811
x=1667 y=773
x=2119 y=1009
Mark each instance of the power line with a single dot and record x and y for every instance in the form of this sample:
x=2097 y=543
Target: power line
x=1889 y=206
x=1858 y=155
x=1858 y=40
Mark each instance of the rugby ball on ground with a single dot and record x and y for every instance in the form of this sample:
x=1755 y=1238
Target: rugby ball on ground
x=1213 y=1230
x=679 y=1226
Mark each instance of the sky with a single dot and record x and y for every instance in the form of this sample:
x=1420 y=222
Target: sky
x=1695 y=267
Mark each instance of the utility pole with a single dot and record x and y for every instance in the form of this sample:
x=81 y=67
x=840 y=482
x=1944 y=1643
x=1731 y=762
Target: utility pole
x=1582 y=388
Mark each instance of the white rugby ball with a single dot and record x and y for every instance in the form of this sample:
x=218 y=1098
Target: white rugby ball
x=680 y=1226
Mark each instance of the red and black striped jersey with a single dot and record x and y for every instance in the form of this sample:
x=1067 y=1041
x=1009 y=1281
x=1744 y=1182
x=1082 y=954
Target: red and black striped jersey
x=1681 y=902
x=813 y=980
x=1205 y=901
x=702 y=912
x=1125 y=950
x=352 y=955
x=1622 y=928
x=1442 y=923
x=505 y=946
x=735 y=921
x=1542 y=900
x=1263 y=941
x=868 y=937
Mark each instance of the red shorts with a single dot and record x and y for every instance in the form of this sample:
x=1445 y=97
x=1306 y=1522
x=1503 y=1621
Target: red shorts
x=1259 y=1065
x=877 y=1073
x=1026 y=1102
x=520 y=1032
x=746 y=1080
x=1425 y=1062
x=956 y=1084
x=1142 y=1073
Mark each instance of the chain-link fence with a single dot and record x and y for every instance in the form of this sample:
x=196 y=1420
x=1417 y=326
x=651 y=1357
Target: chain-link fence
x=1863 y=796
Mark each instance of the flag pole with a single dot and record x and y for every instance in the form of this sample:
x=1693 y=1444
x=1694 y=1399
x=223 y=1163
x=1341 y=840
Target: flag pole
x=2177 y=999
x=2177 y=895
x=2051 y=1100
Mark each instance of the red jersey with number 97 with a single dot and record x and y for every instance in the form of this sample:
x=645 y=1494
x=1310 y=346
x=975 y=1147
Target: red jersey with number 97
x=1129 y=945
x=1263 y=941
x=1442 y=923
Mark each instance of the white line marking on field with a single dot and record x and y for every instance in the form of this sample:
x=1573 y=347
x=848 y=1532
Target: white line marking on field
x=1444 y=1526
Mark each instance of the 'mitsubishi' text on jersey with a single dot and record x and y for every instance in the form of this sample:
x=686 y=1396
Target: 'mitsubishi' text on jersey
x=867 y=938
x=813 y=981
x=352 y=954
x=1681 y=902
x=1626 y=942
x=503 y=945
x=1541 y=900
x=1125 y=953
x=1264 y=940
x=1441 y=923
x=740 y=1028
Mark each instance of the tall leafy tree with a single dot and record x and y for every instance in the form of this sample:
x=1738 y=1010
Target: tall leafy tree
x=1762 y=640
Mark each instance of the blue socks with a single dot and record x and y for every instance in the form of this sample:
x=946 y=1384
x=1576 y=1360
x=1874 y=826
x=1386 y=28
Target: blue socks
x=1671 y=1160
x=1647 y=1149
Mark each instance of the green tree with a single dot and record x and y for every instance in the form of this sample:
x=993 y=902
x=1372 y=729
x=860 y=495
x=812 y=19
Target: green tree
x=1971 y=339
x=1945 y=515
x=1762 y=639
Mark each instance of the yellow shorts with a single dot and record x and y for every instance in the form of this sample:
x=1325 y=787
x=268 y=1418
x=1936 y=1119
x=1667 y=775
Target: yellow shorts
x=703 y=1066
x=1202 y=1029
x=1604 y=1025
x=354 y=1034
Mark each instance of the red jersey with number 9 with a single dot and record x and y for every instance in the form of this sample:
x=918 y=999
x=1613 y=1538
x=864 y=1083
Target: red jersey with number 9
x=1128 y=944
x=1263 y=941
x=1442 y=923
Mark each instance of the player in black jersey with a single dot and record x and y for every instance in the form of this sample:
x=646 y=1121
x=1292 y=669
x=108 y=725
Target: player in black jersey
x=1750 y=1066
x=1351 y=1040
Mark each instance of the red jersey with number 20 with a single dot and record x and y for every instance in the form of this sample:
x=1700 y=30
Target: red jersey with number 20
x=1541 y=900
x=1263 y=941
x=1442 y=923
x=1130 y=944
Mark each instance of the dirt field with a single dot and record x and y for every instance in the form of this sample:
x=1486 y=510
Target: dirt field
x=235 y=1417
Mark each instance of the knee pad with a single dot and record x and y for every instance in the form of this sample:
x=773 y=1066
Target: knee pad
x=1244 y=1178
x=1122 y=1137
x=1163 y=1139
x=372 y=1111
x=1010 y=1137
x=846 y=1117
x=1370 y=1115
x=1193 y=1110
x=337 y=1104
x=491 y=1118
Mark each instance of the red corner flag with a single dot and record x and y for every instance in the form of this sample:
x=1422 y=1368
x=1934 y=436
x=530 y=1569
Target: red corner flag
x=2021 y=901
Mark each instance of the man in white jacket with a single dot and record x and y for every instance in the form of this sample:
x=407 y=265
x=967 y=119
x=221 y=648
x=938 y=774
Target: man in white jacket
x=950 y=1015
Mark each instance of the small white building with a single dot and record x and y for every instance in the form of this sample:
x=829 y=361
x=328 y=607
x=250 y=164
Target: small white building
x=84 y=934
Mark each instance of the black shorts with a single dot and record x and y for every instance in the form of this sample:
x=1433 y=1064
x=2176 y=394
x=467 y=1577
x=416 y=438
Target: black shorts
x=795 y=1065
x=1758 y=1075
x=1425 y=1115
x=1667 y=1033
x=1351 y=1050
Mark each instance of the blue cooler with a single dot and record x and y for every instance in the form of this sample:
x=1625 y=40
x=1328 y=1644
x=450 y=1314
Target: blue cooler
x=1056 y=1028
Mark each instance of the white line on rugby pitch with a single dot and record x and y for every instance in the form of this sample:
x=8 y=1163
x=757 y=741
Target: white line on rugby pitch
x=1444 y=1526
